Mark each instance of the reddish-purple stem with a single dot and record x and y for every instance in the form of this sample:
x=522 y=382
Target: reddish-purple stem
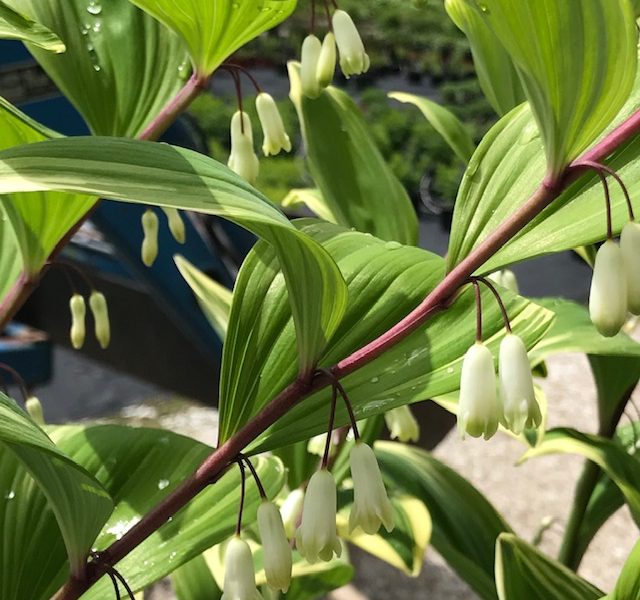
x=437 y=300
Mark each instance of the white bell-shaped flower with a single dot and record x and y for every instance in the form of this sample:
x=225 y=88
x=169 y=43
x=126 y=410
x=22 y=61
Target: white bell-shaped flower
x=327 y=60
x=520 y=409
x=608 y=295
x=239 y=576
x=277 y=551
x=317 y=537
x=402 y=424
x=34 y=408
x=275 y=137
x=505 y=278
x=291 y=511
x=353 y=58
x=243 y=159
x=371 y=506
x=478 y=407
x=311 y=48
x=630 y=247
x=78 y=314
x=102 y=328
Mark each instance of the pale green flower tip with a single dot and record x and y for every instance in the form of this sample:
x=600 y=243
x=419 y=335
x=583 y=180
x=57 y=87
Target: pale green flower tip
x=630 y=248
x=239 y=576
x=176 y=224
x=353 y=58
x=608 y=294
x=310 y=56
x=77 y=332
x=277 y=552
x=100 y=311
x=34 y=409
x=149 y=249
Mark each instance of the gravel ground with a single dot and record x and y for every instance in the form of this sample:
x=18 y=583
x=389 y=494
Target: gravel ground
x=525 y=494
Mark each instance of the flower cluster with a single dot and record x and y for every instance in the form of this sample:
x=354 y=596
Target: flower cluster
x=316 y=536
x=318 y=59
x=615 y=286
x=243 y=159
x=99 y=310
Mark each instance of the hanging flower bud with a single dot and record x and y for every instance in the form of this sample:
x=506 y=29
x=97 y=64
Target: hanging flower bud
x=507 y=279
x=353 y=59
x=239 y=576
x=176 y=224
x=34 y=409
x=327 y=61
x=98 y=305
x=78 y=313
x=277 y=552
x=149 y=250
x=275 y=137
x=243 y=159
x=291 y=511
x=402 y=424
x=316 y=537
x=519 y=406
x=478 y=407
x=371 y=507
x=630 y=247
x=311 y=48
x=608 y=295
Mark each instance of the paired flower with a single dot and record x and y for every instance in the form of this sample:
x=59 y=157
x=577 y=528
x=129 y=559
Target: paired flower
x=402 y=424
x=149 y=249
x=243 y=159
x=608 y=297
x=239 y=576
x=98 y=305
x=78 y=314
x=481 y=407
x=275 y=136
x=353 y=58
x=371 y=506
x=316 y=537
x=276 y=549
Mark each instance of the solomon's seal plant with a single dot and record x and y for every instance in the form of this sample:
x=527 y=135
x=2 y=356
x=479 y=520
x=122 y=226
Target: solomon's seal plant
x=342 y=304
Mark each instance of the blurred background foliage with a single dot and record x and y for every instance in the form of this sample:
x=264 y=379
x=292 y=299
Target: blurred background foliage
x=412 y=45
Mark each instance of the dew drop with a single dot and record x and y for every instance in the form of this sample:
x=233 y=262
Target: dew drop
x=97 y=67
x=94 y=8
x=10 y=495
x=450 y=370
x=172 y=555
x=375 y=379
x=163 y=483
x=393 y=245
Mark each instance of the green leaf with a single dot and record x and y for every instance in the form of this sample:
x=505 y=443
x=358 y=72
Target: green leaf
x=506 y=169
x=496 y=72
x=152 y=173
x=214 y=299
x=628 y=584
x=121 y=66
x=577 y=63
x=465 y=524
x=78 y=502
x=573 y=331
x=10 y=254
x=522 y=571
x=215 y=29
x=610 y=456
x=139 y=467
x=16 y=26
x=405 y=546
x=194 y=581
x=444 y=122
x=313 y=199
x=386 y=281
x=39 y=220
x=356 y=184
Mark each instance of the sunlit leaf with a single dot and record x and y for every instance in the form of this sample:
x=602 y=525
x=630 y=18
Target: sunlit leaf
x=215 y=29
x=522 y=571
x=358 y=187
x=628 y=584
x=152 y=173
x=444 y=122
x=16 y=26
